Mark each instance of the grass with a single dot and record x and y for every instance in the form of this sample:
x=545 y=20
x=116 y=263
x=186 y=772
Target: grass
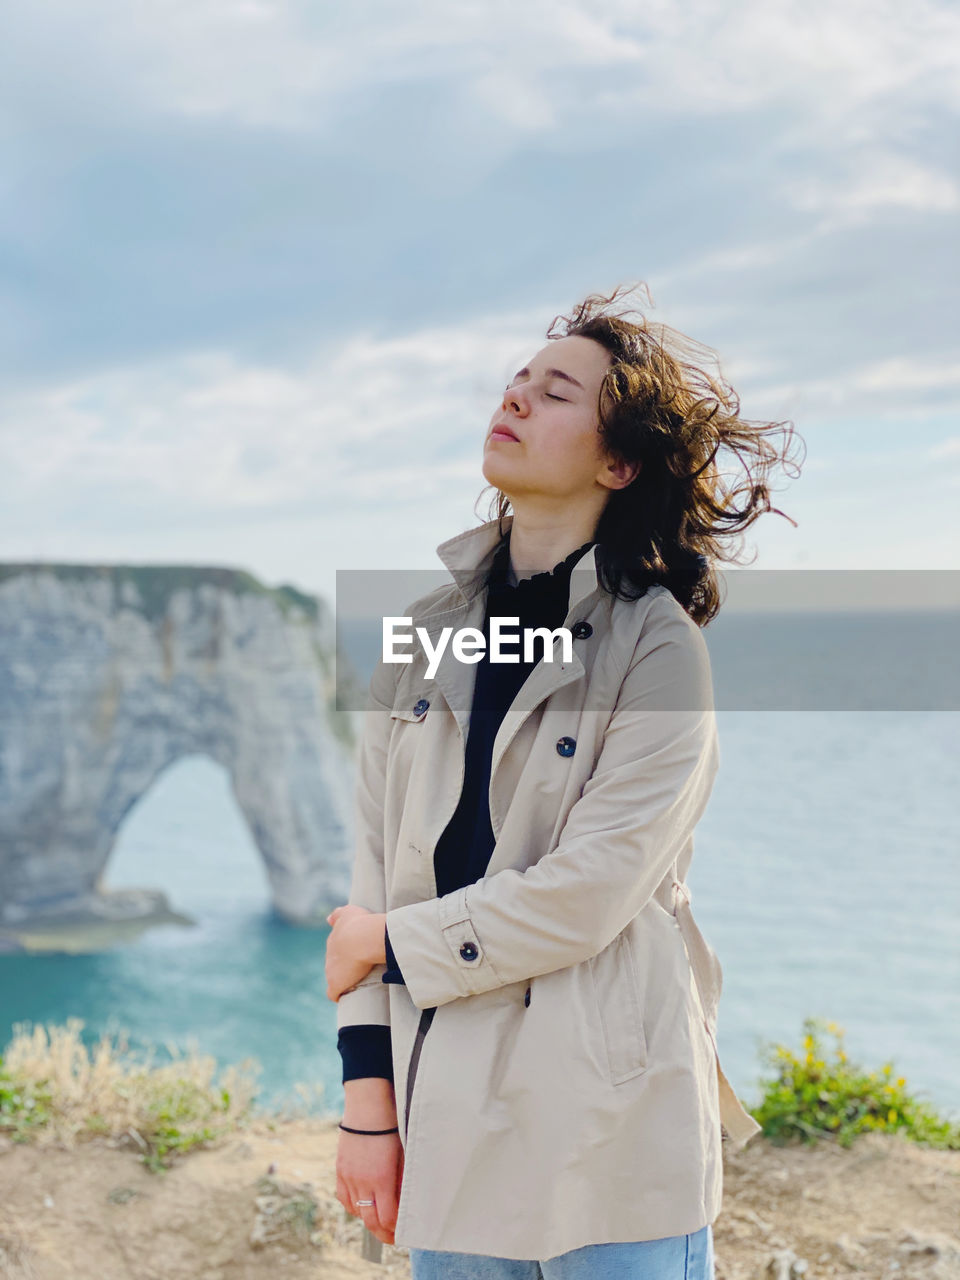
x=53 y=1089
x=819 y=1094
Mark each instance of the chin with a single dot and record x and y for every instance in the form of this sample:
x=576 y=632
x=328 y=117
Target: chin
x=494 y=472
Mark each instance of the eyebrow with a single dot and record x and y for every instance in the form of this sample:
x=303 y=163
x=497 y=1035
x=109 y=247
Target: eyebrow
x=551 y=373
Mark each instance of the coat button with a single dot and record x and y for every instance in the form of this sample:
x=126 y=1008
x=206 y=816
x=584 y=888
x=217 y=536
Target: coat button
x=581 y=631
x=420 y=707
x=566 y=746
x=468 y=951
x=526 y=997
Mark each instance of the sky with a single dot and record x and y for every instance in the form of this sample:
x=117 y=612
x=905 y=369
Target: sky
x=267 y=267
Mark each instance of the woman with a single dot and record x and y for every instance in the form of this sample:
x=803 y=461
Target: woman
x=527 y=1009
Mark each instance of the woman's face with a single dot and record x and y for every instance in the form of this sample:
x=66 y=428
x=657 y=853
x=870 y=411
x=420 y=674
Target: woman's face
x=543 y=438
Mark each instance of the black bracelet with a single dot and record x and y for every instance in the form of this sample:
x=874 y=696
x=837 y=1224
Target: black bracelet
x=347 y=1129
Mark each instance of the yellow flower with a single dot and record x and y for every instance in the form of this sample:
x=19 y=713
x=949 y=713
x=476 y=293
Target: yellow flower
x=891 y=1115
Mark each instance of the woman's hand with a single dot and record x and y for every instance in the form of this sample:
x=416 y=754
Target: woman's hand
x=355 y=945
x=370 y=1167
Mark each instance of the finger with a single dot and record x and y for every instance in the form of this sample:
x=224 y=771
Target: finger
x=346 y=1196
x=386 y=1197
x=368 y=1213
x=386 y=1237
x=333 y=986
x=353 y=1195
x=355 y=1192
x=337 y=984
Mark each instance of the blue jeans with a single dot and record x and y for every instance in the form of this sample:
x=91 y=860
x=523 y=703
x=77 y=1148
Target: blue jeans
x=688 y=1257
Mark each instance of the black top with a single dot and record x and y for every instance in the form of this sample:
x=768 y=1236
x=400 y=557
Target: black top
x=463 y=850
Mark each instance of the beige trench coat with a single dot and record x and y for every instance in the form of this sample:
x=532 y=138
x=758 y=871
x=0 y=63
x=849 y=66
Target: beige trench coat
x=569 y=1090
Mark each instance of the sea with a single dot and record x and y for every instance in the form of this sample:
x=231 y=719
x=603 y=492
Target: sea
x=826 y=875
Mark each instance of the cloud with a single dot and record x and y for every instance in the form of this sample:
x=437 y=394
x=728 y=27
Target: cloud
x=209 y=434
x=260 y=254
x=879 y=181
x=277 y=64
x=286 y=65
x=900 y=389
x=254 y=176
x=908 y=375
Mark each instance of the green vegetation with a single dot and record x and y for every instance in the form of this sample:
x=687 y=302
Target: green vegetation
x=155 y=584
x=52 y=1087
x=296 y=1213
x=813 y=1095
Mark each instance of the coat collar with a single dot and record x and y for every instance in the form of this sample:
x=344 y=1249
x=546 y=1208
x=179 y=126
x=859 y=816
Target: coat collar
x=469 y=557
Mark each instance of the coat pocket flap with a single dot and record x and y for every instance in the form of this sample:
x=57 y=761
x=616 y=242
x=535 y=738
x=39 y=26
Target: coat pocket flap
x=404 y=711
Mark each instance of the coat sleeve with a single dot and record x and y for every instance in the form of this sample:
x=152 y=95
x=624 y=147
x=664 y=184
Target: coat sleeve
x=649 y=788
x=368 y=1003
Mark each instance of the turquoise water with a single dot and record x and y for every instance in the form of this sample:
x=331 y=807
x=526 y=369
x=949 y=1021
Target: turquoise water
x=241 y=983
x=826 y=875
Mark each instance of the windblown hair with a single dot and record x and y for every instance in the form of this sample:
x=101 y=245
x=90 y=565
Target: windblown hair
x=660 y=406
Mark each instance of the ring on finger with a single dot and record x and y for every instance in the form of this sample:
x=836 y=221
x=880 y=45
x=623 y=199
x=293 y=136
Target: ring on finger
x=364 y=1202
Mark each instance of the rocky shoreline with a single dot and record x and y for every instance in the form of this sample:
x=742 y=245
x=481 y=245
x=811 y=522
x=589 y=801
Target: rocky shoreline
x=103 y=919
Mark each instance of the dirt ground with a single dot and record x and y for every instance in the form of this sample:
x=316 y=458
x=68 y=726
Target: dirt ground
x=261 y=1203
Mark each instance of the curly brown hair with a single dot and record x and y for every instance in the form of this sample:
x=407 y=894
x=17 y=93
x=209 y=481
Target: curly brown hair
x=659 y=406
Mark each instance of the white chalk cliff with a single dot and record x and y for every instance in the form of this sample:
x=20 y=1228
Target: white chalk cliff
x=109 y=674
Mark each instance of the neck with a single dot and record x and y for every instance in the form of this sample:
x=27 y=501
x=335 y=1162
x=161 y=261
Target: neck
x=537 y=545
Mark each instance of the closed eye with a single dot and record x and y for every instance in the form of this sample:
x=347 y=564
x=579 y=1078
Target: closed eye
x=548 y=394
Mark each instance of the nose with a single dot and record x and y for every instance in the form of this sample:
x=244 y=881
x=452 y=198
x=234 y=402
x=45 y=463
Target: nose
x=514 y=401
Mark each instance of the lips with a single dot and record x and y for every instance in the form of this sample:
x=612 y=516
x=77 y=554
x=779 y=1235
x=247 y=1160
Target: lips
x=502 y=432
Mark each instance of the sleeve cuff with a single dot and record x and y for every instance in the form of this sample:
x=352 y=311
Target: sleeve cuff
x=365 y=1050
x=443 y=956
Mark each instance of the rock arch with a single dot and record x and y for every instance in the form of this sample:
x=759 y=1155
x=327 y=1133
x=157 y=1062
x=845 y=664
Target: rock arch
x=109 y=674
